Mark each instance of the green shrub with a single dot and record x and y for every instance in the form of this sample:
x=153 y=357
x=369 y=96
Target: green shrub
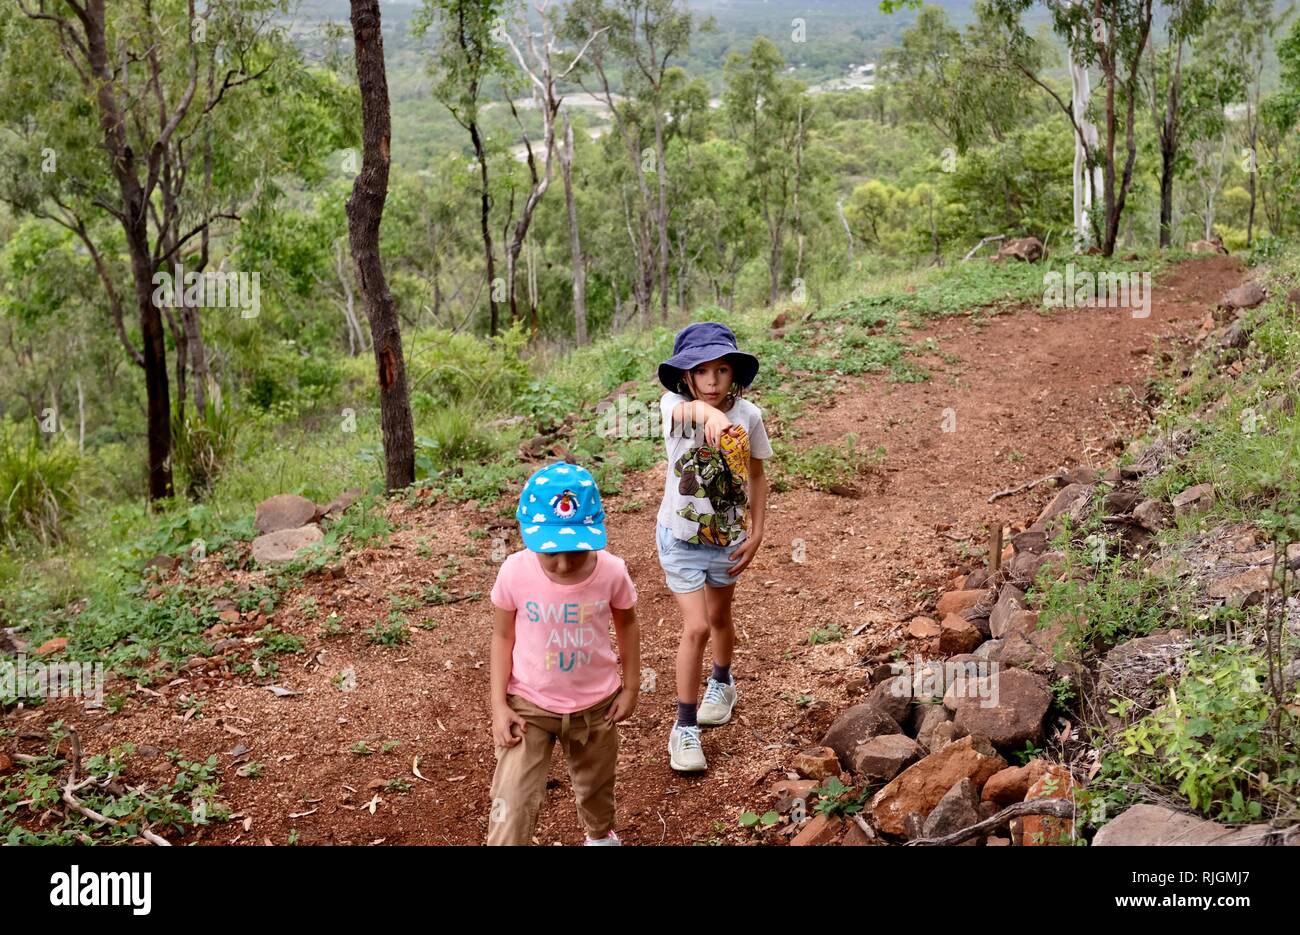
x=452 y=437
x=1220 y=741
x=202 y=444
x=37 y=492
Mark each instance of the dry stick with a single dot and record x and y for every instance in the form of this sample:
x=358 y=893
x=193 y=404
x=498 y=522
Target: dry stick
x=72 y=786
x=982 y=243
x=1057 y=808
x=995 y=546
x=1028 y=486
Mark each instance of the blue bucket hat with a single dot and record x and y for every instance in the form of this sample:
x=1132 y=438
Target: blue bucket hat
x=703 y=341
x=560 y=511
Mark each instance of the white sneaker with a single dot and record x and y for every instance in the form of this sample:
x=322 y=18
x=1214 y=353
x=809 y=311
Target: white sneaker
x=685 y=754
x=610 y=840
x=719 y=699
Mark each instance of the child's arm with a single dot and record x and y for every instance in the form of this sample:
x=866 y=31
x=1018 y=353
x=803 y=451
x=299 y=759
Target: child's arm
x=629 y=650
x=697 y=412
x=504 y=717
x=745 y=552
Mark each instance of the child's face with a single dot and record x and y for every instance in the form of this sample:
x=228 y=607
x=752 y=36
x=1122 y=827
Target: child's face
x=566 y=564
x=711 y=381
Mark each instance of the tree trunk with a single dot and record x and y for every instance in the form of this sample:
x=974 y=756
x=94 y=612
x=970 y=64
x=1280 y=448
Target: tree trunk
x=1253 y=173
x=365 y=210
x=135 y=220
x=157 y=386
x=661 y=165
x=485 y=209
x=1169 y=152
x=575 y=243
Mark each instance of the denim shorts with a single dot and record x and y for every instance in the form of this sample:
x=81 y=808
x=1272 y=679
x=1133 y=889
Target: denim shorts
x=688 y=567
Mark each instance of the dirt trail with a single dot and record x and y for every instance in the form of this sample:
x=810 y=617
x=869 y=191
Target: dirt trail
x=1029 y=392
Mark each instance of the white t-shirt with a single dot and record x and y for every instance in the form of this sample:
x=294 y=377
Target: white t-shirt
x=708 y=506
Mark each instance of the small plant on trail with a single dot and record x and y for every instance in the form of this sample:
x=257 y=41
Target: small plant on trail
x=827 y=634
x=393 y=633
x=1030 y=752
x=835 y=798
x=753 y=820
x=332 y=626
x=1063 y=694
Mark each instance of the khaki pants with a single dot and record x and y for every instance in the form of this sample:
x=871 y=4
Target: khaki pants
x=590 y=747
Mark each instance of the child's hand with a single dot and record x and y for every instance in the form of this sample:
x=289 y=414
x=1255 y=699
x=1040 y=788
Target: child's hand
x=714 y=426
x=504 y=719
x=743 y=555
x=623 y=705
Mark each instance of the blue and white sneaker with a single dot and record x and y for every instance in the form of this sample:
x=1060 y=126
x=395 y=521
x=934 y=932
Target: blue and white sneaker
x=685 y=753
x=719 y=700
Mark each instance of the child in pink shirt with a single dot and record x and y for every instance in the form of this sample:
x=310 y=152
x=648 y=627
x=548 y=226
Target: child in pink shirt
x=554 y=672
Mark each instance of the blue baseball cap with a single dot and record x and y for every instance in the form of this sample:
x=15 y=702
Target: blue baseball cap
x=560 y=511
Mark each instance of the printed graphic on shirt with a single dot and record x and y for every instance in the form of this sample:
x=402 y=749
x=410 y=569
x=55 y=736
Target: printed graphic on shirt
x=719 y=476
x=573 y=632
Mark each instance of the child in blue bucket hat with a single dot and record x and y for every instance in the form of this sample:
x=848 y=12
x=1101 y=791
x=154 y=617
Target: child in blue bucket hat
x=710 y=521
x=554 y=674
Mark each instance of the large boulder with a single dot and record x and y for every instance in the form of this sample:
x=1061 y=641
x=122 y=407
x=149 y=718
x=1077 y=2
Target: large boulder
x=1157 y=826
x=1007 y=707
x=1138 y=667
x=1152 y=515
x=1194 y=500
x=1247 y=295
x=817 y=763
x=954 y=602
x=1244 y=589
x=894 y=697
x=959 y=808
x=1011 y=785
x=1011 y=600
x=283 y=511
x=340 y=503
x=880 y=759
x=958 y=635
x=284 y=544
x=856 y=726
x=932 y=715
x=918 y=789
x=1025 y=249
x=1065 y=500
x=1055 y=782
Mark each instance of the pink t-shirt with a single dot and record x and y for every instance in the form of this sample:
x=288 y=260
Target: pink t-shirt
x=563 y=659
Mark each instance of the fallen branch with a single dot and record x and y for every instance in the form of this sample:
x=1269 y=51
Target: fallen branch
x=153 y=838
x=1026 y=486
x=75 y=804
x=975 y=248
x=1056 y=808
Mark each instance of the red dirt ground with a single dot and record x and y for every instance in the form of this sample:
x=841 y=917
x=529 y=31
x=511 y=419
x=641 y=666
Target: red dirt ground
x=1031 y=392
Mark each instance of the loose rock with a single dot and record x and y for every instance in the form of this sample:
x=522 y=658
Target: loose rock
x=918 y=789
